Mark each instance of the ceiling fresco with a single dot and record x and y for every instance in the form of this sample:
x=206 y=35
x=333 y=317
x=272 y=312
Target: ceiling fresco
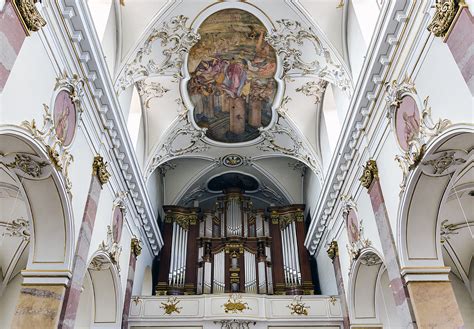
x=232 y=68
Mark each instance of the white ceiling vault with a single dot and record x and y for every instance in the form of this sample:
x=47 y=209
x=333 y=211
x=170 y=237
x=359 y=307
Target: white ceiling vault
x=307 y=38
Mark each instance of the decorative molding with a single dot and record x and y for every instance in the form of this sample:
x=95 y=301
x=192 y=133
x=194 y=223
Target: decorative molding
x=286 y=215
x=75 y=87
x=165 y=167
x=314 y=89
x=235 y=324
x=370 y=259
x=410 y=158
x=444 y=162
x=233 y=161
x=181 y=216
x=447 y=229
x=148 y=91
x=370 y=173
x=18 y=227
x=26 y=165
x=298 y=307
x=288 y=40
x=235 y=304
x=443 y=17
x=176 y=39
x=332 y=300
x=111 y=248
x=171 y=306
x=57 y=153
x=99 y=169
x=29 y=15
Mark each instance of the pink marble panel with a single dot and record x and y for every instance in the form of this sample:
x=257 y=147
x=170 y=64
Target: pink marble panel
x=129 y=289
x=341 y=291
x=461 y=43
x=12 y=36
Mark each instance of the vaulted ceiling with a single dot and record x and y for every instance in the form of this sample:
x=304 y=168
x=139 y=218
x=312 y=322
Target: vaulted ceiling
x=153 y=66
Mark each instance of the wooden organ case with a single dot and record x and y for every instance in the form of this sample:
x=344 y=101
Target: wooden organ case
x=234 y=248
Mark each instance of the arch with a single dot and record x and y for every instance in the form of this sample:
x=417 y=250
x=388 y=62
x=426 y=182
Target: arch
x=419 y=223
x=50 y=254
x=99 y=303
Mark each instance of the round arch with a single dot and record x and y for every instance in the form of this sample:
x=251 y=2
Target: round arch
x=26 y=163
x=419 y=221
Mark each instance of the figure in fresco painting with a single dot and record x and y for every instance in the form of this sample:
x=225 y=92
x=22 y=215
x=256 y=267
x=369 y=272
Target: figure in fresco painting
x=64 y=114
x=232 y=70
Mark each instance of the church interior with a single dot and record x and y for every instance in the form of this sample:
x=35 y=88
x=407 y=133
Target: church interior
x=237 y=164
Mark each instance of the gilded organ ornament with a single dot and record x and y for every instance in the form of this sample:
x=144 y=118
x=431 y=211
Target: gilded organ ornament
x=298 y=307
x=171 y=306
x=235 y=304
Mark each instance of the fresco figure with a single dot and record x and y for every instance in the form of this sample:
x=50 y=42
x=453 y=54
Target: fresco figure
x=64 y=114
x=407 y=122
x=232 y=70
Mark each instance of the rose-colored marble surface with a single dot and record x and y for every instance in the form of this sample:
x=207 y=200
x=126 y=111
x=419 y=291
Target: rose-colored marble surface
x=341 y=291
x=461 y=43
x=73 y=292
x=392 y=263
x=12 y=36
x=38 y=307
x=435 y=305
x=128 y=291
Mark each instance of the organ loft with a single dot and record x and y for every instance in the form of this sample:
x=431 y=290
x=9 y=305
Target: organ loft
x=234 y=248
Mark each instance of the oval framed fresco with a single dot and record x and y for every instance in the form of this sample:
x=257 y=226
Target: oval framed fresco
x=232 y=87
x=64 y=118
x=117 y=223
x=407 y=122
x=352 y=222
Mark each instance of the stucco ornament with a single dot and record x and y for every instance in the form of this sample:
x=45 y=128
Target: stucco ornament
x=149 y=91
x=171 y=306
x=110 y=247
x=29 y=14
x=99 y=169
x=355 y=230
x=369 y=174
x=235 y=304
x=18 y=227
x=175 y=41
x=418 y=127
x=25 y=165
x=314 y=89
x=443 y=17
x=289 y=38
x=298 y=307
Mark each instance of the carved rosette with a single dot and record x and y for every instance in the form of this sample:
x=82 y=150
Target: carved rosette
x=99 y=169
x=369 y=174
x=29 y=15
x=443 y=17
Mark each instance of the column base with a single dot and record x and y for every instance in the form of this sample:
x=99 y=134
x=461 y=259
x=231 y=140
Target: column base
x=435 y=305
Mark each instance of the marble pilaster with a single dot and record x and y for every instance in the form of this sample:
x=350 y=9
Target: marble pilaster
x=134 y=253
x=73 y=292
x=333 y=253
x=370 y=180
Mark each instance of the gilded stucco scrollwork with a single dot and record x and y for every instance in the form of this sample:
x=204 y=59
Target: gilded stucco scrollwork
x=112 y=248
x=417 y=127
x=298 y=307
x=175 y=41
x=149 y=91
x=314 y=89
x=443 y=17
x=369 y=173
x=288 y=40
x=333 y=249
x=171 y=306
x=136 y=247
x=25 y=165
x=29 y=14
x=444 y=162
x=59 y=156
x=235 y=304
x=99 y=169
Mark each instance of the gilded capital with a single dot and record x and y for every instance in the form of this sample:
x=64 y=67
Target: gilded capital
x=135 y=247
x=443 y=17
x=370 y=173
x=29 y=15
x=333 y=249
x=99 y=169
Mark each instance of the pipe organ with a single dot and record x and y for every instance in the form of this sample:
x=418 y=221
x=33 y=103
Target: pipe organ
x=234 y=248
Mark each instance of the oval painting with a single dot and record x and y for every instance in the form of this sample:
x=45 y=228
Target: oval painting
x=232 y=70
x=407 y=122
x=117 y=224
x=352 y=226
x=64 y=114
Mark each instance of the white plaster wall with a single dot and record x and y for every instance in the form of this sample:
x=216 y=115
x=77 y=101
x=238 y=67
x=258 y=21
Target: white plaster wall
x=30 y=84
x=449 y=95
x=357 y=47
x=311 y=190
x=9 y=300
x=155 y=191
x=465 y=303
x=327 y=279
x=367 y=13
x=144 y=260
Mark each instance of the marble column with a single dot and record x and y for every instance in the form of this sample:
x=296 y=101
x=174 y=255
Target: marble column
x=16 y=22
x=370 y=180
x=277 y=260
x=435 y=305
x=39 y=305
x=135 y=251
x=454 y=23
x=100 y=176
x=333 y=253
